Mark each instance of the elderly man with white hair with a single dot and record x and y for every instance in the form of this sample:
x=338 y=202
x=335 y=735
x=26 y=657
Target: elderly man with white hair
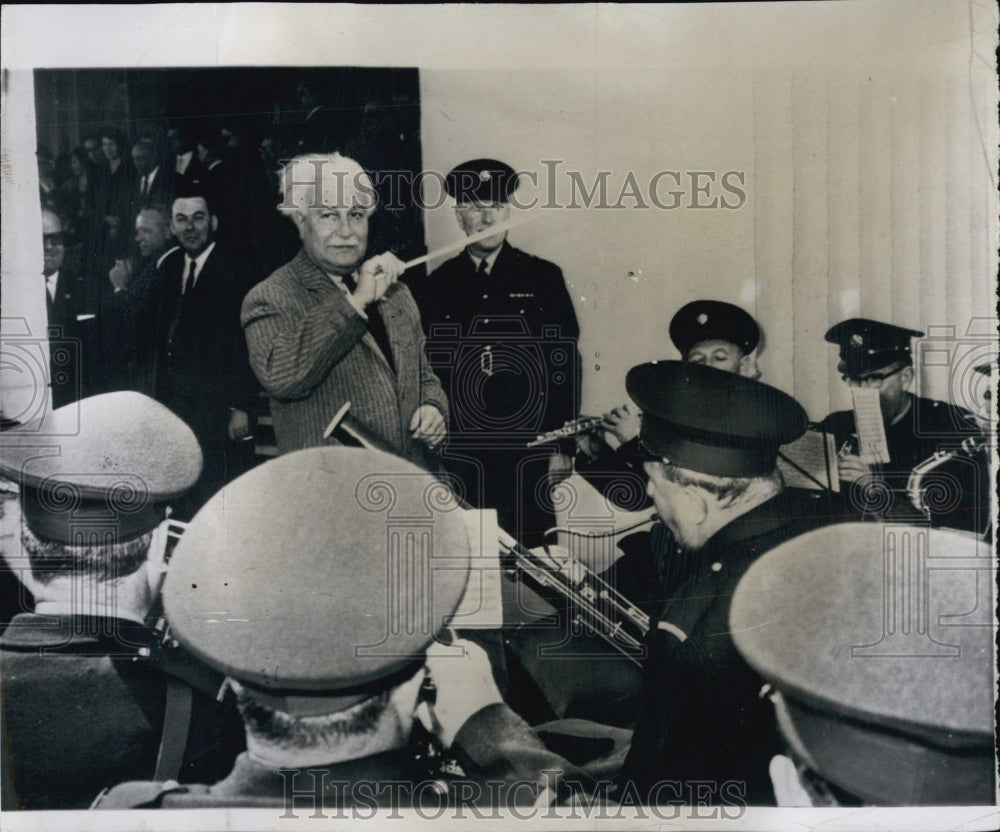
x=331 y=327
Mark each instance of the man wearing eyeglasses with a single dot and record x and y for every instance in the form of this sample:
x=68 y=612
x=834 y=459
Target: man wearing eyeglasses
x=502 y=335
x=63 y=295
x=878 y=355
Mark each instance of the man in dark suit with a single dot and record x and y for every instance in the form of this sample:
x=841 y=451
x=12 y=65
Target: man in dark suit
x=189 y=172
x=502 y=333
x=202 y=371
x=63 y=297
x=90 y=693
x=154 y=180
x=131 y=306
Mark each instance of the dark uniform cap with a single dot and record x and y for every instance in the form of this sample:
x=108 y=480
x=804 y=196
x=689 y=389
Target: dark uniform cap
x=108 y=464
x=320 y=577
x=482 y=180
x=711 y=421
x=708 y=320
x=867 y=345
x=890 y=720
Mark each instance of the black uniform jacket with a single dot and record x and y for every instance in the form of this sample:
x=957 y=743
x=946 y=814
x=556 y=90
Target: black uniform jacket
x=702 y=718
x=503 y=345
x=83 y=709
x=959 y=491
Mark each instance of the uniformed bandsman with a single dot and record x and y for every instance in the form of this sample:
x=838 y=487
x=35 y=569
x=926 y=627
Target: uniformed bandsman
x=878 y=355
x=879 y=701
x=711 y=440
x=502 y=335
x=327 y=616
x=710 y=332
x=92 y=694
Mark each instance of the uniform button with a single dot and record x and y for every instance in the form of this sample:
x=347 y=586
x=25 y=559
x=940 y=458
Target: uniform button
x=486 y=320
x=716 y=567
x=520 y=311
x=486 y=297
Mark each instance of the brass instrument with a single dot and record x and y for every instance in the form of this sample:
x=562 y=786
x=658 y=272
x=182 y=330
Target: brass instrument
x=594 y=603
x=916 y=489
x=572 y=428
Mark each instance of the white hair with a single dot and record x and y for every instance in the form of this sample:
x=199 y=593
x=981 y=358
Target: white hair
x=341 y=182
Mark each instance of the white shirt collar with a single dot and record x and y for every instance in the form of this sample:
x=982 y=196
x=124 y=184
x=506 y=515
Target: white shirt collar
x=199 y=263
x=490 y=259
x=50 y=284
x=151 y=176
x=183 y=160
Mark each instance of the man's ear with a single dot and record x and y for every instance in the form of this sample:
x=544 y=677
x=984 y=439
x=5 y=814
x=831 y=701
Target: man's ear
x=215 y=223
x=691 y=505
x=906 y=377
x=748 y=366
x=299 y=220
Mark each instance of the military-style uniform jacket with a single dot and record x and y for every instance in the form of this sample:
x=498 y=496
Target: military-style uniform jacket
x=83 y=709
x=504 y=347
x=702 y=717
x=504 y=344
x=926 y=427
x=494 y=746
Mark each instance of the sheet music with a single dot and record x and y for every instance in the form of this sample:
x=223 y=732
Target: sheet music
x=482 y=606
x=874 y=449
x=810 y=462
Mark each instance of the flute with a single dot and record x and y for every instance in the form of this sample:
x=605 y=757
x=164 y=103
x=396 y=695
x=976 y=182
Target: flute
x=572 y=428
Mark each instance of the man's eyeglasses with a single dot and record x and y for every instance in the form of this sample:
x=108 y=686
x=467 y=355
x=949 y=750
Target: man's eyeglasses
x=871 y=380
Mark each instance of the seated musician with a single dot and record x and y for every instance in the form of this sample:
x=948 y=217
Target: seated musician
x=86 y=693
x=879 y=724
x=879 y=355
x=334 y=665
x=710 y=332
x=711 y=440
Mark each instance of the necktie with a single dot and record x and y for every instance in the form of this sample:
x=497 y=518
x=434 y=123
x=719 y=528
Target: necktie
x=144 y=185
x=375 y=324
x=482 y=271
x=189 y=283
